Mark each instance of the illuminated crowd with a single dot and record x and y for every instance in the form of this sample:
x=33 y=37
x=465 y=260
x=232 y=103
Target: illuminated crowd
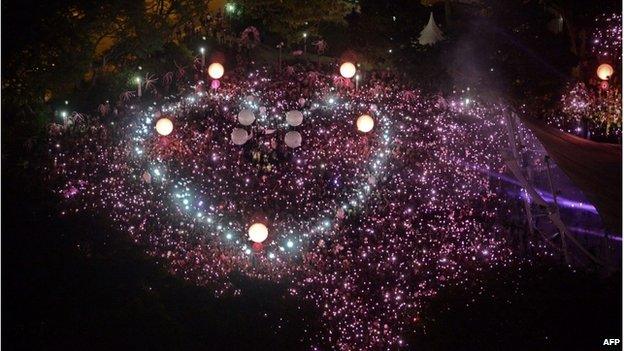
x=365 y=225
x=593 y=108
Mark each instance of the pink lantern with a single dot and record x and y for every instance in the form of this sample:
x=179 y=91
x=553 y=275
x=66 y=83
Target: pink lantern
x=215 y=84
x=604 y=71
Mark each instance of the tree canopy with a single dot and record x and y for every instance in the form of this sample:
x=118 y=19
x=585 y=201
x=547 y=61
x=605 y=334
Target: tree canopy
x=290 y=18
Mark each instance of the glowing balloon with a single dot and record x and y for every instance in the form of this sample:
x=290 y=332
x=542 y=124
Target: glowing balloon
x=293 y=139
x=294 y=118
x=164 y=126
x=347 y=70
x=258 y=232
x=365 y=123
x=239 y=136
x=216 y=70
x=604 y=71
x=246 y=117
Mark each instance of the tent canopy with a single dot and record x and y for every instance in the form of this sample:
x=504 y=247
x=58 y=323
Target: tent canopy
x=596 y=168
x=431 y=33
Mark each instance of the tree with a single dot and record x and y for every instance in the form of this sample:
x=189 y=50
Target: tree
x=290 y=18
x=58 y=45
x=82 y=51
x=577 y=16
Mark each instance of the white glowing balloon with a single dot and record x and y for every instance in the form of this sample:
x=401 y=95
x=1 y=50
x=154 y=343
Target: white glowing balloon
x=216 y=70
x=164 y=126
x=604 y=71
x=293 y=139
x=258 y=232
x=239 y=136
x=246 y=117
x=347 y=70
x=294 y=118
x=365 y=123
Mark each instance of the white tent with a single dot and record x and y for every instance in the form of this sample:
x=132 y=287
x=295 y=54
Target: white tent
x=431 y=34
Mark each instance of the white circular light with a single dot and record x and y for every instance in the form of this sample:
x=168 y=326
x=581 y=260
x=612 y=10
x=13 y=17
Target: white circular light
x=604 y=71
x=293 y=139
x=258 y=232
x=347 y=70
x=164 y=126
x=246 y=117
x=239 y=136
x=294 y=118
x=216 y=70
x=365 y=123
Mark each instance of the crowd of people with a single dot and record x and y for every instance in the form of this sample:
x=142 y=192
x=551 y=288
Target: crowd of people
x=363 y=225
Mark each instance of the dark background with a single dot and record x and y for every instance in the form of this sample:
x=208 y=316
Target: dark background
x=73 y=283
